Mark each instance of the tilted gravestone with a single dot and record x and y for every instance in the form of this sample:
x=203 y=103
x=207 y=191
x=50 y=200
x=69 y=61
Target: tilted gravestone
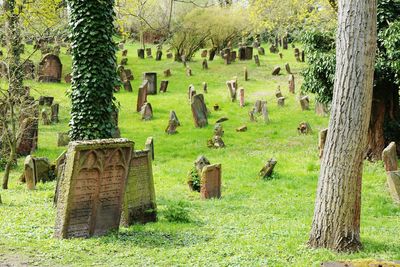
x=232 y=88
x=125 y=53
x=305 y=103
x=205 y=64
x=28 y=138
x=191 y=92
x=199 y=111
x=142 y=95
x=276 y=71
x=281 y=101
x=173 y=123
x=164 y=86
x=211 y=181
x=257 y=60
x=261 y=51
x=146 y=112
x=124 y=61
x=139 y=204
x=127 y=86
x=151 y=77
x=268 y=169
x=287 y=67
x=50 y=69
x=91 y=189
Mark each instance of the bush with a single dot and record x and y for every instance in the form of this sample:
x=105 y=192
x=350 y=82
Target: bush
x=178 y=212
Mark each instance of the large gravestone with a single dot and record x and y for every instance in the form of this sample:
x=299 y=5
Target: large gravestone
x=142 y=95
x=139 y=201
x=151 y=77
x=50 y=69
x=91 y=189
x=211 y=181
x=199 y=111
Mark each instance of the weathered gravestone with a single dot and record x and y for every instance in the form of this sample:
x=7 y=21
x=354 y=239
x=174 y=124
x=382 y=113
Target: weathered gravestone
x=287 y=67
x=278 y=92
x=281 y=101
x=46 y=100
x=158 y=55
x=280 y=55
x=148 y=53
x=173 y=123
x=28 y=137
x=167 y=73
x=305 y=103
x=199 y=111
x=261 y=51
x=249 y=53
x=242 y=53
x=55 y=108
x=205 y=64
x=232 y=88
x=285 y=43
x=322 y=109
x=139 y=204
x=304 y=128
x=267 y=170
x=124 y=53
x=146 y=112
x=390 y=160
x=62 y=139
x=149 y=145
x=264 y=112
x=91 y=189
x=226 y=54
x=50 y=69
x=241 y=97
x=29 y=69
x=37 y=170
x=140 y=53
x=211 y=181
x=246 y=74
x=212 y=53
x=297 y=54
x=142 y=95
x=321 y=141
x=29 y=173
x=45 y=117
x=164 y=86
x=151 y=77
x=188 y=71
x=127 y=86
x=233 y=56
x=170 y=55
x=191 y=92
x=257 y=60
x=124 y=61
x=276 y=71
x=292 y=86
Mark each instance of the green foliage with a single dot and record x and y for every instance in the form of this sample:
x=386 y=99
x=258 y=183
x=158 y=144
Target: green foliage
x=94 y=65
x=194 y=179
x=319 y=77
x=178 y=212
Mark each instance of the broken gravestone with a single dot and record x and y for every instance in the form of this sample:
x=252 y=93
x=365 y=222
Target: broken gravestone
x=91 y=191
x=139 y=204
x=164 y=86
x=232 y=88
x=37 y=170
x=267 y=170
x=173 y=123
x=276 y=71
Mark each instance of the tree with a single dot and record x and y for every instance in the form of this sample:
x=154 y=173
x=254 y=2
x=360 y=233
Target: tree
x=336 y=222
x=93 y=69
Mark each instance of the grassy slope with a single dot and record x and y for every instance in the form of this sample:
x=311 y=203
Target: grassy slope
x=255 y=223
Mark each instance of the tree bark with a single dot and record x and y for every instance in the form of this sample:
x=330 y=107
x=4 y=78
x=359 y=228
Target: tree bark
x=336 y=222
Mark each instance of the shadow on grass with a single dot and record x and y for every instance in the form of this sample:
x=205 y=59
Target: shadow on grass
x=376 y=246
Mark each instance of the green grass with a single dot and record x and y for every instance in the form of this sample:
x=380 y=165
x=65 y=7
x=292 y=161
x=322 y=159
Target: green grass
x=256 y=223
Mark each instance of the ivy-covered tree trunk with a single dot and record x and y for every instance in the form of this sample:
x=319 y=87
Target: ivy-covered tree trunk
x=93 y=68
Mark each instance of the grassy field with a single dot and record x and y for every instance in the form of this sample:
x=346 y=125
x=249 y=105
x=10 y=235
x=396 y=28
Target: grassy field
x=255 y=223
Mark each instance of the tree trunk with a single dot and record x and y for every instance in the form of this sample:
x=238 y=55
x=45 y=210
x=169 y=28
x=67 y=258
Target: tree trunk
x=336 y=222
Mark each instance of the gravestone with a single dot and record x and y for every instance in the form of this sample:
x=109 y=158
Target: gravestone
x=218 y=129
x=252 y=114
x=204 y=53
x=159 y=55
x=29 y=173
x=249 y=53
x=273 y=49
x=287 y=67
x=241 y=129
x=246 y=74
x=305 y=103
x=205 y=64
x=261 y=51
x=139 y=204
x=233 y=56
x=127 y=86
x=124 y=53
x=241 y=96
x=68 y=78
x=45 y=117
x=148 y=53
x=281 y=101
x=164 y=86
x=276 y=71
x=304 y=128
x=91 y=189
x=211 y=181
x=124 y=61
x=173 y=123
x=167 y=73
x=28 y=137
x=205 y=87
x=62 y=139
x=285 y=43
x=216 y=107
x=267 y=170
x=321 y=141
x=232 y=88
x=303 y=56
x=149 y=145
x=170 y=55
x=188 y=72
x=280 y=55
x=142 y=95
x=199 y=111
x=227 y=56
x=140 y=53
x=146 y=112
x=29 y=69
x=242 y=53
x=212 y=53
x=46 y=100
x=278 y=92
x=292 y=86
x=297 y=54
x=257 y=60
x=394 y=185
x=264 y=112
x=50 y=69
x=222 y=119
x=389 y=157
x=191 y=92
x=151 y=77
x=54 y=112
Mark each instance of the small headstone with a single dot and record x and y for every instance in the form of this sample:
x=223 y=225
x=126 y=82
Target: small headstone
x=267 y=170
x=216 y=107
x=242 y=53
x=249 y=53
x=303 y=58
x=127 y=86
x=142 y=95
x=276 y=71
x=241 y=129
x=281 y=101
x=246 y=74
x=304 y=128
x=227 y=56
x=188 y=71
x=50 y=69
x=258 y=105
x=389 y=157
x=68 y=78
x=291 y=84
x=278 y=92
x=173 y=123
x=205 y=88
x=124 y=53
x=124 y=61
x=62 y=139
x=211 y=182
x=241 y=95
x=216 y=142
x=199 y=111
x=92 y=187
x=212 y=53
x=29 y=173
x=305 y=103
x=232 y=88
x=297 y=54
x=281 y=55
x=151 y=77
x=167 y=73
x=261 y=51
x=191 y=92
x=148 y=53
x=54 y=112
x=321 y=141
x=164 y=86
x=233 y=56
x=140 y=53
x=257 y=60
x=146 y=112
x=159 y=55
x=149 y=145
x=287 y=67
x=28 y=138
x=218 y=129
x=205 y=64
